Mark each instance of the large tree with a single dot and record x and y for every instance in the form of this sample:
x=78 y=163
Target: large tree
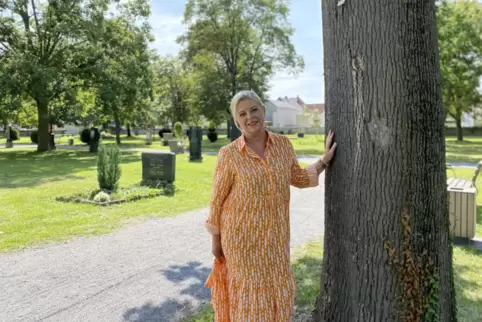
x=122 y=75
x=172 y=89
x=388 y=254
x=460 y=42
x=46 y=43
x=248 y=39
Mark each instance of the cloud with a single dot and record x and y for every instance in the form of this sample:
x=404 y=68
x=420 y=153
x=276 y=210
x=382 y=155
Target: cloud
x=308 y=86
x=166 y=28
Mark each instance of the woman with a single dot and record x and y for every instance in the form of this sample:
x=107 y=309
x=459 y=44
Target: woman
x=249 y=218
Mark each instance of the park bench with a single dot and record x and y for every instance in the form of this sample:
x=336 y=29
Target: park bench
x=463 y=204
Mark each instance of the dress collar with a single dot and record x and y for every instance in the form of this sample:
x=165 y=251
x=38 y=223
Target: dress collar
x=241 y=141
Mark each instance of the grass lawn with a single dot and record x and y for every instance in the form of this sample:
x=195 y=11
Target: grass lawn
x=307 y=261
x=30 y=182
x=470 y=150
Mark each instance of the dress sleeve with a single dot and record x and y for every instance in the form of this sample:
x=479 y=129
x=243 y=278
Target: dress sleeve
x=222 y=183
x=301 y=177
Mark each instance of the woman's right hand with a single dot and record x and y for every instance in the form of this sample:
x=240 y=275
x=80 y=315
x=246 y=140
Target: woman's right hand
x=217 y=249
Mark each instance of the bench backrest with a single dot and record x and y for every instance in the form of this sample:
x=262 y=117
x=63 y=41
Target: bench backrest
x=477 y=172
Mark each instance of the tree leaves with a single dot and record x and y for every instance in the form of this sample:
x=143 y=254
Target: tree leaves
x=460 y=44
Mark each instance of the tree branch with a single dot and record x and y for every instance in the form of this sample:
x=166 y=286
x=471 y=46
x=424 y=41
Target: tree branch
x=37 y=28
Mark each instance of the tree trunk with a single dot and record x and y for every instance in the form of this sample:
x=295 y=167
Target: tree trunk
x=387 y=245
x=43 y=126
x=234 y=132
x=460 y=130
x=117 y=128
x=129 y=134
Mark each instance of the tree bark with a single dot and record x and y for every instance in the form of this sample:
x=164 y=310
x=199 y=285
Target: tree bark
x=117 y=128
x=388 y=252
x=460 y=130
x=129 y=134
x=43 y=126
x=233 y=132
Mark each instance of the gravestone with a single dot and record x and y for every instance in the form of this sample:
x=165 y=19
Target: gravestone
x=166 y=137
x=158 y=166
x=195 y=143
x=8 y=134
x=94 y=140
x=148 y=138
x=52 y=141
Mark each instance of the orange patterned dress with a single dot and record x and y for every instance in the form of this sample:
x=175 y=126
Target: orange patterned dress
x=250 y=209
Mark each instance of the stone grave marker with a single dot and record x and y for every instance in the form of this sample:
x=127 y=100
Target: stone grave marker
x=94 y=140
x=166 y=137
x=52 y=141
x=158 y=166
x=195 y=143
x=148 y=138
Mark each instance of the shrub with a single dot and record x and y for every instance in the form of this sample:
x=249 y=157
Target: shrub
x=212 y=135
x=102 y=197
x=14 y=134
x=162 y=131
x=34 y=137
x=108 y=168
x=178 y=130
x=85 y=135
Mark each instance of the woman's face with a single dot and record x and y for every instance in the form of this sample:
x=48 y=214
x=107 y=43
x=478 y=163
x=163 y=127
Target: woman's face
x=250 y=116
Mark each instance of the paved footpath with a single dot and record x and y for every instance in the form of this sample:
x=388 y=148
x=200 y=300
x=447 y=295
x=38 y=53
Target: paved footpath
x=152 y=271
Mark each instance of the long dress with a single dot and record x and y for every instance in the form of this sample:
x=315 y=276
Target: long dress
x=250 y=209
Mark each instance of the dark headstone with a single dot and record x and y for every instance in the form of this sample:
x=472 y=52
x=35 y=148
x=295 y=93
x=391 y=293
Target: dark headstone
x=301 y=135
x=94 y=140
x=158 y=166
x=52 y=141
x=195 y=143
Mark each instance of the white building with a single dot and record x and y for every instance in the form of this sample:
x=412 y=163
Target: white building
x=282 y=112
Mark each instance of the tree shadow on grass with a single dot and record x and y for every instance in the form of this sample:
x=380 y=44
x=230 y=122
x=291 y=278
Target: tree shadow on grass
x=193 y=275
x=28 y=168
x=307 y=271
x=466 y=151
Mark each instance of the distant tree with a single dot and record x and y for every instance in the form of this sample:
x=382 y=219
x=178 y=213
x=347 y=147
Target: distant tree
x=460 y=43
x=46 y=44
x=247 y=39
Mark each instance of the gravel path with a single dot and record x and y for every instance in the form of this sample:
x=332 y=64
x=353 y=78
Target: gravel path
x=152 y=271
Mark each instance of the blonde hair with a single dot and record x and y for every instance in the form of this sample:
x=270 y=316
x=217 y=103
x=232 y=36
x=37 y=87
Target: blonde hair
x=242 y=96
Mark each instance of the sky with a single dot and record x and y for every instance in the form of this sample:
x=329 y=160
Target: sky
x=305 y=18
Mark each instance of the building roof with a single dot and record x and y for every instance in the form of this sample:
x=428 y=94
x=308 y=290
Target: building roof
x=318 y=107
x=284 y=103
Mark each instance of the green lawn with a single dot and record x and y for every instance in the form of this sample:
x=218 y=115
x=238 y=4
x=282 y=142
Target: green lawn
x=307 y=261
x=470 y=150
x=30 y=182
